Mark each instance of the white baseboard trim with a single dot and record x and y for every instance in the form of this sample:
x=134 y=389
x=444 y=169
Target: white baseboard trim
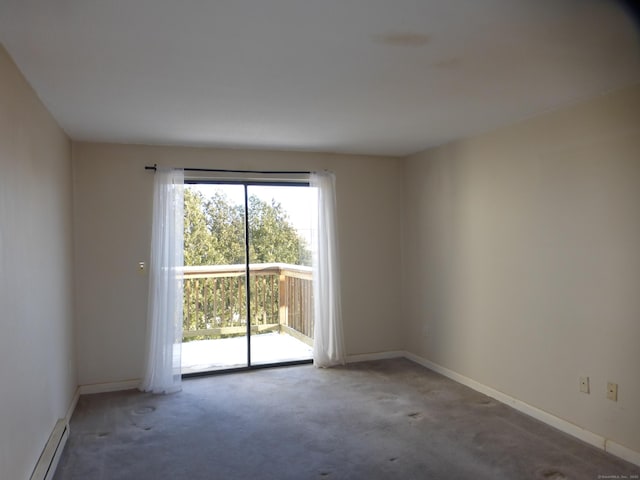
x=109 y=387
x=72 y=405
x=563 y=425
x=623 y=452
x=366 y=357
x=47 y=463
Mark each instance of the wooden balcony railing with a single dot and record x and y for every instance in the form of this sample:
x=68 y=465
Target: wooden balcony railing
x=215 y=301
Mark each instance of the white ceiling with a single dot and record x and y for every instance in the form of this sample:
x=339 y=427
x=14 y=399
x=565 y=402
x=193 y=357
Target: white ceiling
x=387 y=77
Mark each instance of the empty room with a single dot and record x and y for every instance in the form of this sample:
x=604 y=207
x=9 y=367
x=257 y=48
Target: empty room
x=283 y=239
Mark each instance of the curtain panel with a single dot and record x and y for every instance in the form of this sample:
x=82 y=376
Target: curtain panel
x=328 y=343
x=162 y=372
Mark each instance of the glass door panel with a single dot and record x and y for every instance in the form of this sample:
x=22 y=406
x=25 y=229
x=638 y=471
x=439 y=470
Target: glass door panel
x=280 y=273
x=215 y=291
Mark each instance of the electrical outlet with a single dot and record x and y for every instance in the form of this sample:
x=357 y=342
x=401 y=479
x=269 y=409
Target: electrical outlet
x=584 y=384
x=612 y=391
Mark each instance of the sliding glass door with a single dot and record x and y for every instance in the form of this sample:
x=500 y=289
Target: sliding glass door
x=247 y=281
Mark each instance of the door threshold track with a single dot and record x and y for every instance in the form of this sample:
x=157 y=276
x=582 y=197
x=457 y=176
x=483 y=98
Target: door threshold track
x=224 y=371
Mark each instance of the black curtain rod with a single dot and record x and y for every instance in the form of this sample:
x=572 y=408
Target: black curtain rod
x=221 y=170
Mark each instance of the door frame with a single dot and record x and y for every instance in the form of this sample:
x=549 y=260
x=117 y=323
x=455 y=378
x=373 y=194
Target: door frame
x=246 y=184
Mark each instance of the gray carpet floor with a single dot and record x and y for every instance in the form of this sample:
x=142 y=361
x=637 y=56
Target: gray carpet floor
x=389 y=419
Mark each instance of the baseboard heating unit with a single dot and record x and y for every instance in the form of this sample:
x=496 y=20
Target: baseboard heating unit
x=48 y=461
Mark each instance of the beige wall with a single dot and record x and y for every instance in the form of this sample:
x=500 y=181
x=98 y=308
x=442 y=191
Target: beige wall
x=37 y=365
x=113 y=197
x=522 y=261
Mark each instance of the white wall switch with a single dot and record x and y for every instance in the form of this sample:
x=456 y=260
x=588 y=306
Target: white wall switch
x=612 y=391
x=584 y=384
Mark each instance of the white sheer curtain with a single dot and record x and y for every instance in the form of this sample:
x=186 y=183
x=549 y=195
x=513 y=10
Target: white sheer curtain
x=328 y=343
x=164 y=318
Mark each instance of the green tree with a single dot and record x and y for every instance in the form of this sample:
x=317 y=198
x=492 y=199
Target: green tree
x=225 y=224
x=272 y=236
x=214 y=232
x=197 y=241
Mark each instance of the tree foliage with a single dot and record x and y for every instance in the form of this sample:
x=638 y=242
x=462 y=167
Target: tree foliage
x=214 y=232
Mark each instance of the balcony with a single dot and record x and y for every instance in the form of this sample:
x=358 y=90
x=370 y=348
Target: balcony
x=215 y=313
